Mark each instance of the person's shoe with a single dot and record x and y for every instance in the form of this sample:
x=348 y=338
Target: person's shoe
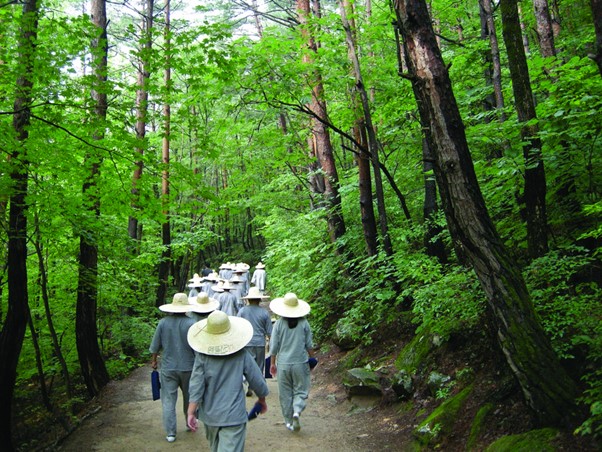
x=170 y=438
x=296 y=423
x=249 y=393
x=289 y=426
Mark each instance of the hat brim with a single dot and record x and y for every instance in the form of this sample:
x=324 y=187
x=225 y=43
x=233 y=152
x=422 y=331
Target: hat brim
x=198 y=283
x=203 y=308
x=255 y=297
x=233 y=340
x=176 y=308
x=277 y=306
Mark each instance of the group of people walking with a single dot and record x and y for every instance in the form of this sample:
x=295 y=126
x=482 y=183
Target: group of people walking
x=213 y=348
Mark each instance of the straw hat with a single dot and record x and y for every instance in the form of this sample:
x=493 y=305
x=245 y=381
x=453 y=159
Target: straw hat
x=290 y=306
x=196 y=281
x=228 y=286
x=220 y=334
x=260 y=265
x=255 y=294
x=203 y=303
x=236 y=279
x=212 y=277
x=178 y=305
x=218 y=287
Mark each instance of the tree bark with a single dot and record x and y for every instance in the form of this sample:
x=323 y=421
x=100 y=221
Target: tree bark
x=545 y=32
x=165 y=264
x=494 y=74
x=370 y=132
x=433 y=244
x=141 y=115
x=324 y=150
x=535 y=177
x=15 y=322
x=91 y=361
x=546 y=386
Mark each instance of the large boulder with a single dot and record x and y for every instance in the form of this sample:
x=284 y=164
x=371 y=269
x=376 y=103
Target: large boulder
x=363 y=382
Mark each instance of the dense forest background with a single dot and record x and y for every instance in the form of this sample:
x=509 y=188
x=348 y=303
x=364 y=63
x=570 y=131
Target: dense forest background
x=388 y=162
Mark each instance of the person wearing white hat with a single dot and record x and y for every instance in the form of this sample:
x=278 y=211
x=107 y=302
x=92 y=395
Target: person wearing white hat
x=259 y=277
x=291 y=346
x=216 y=389
x=228 y=301
x=177 y=358
x=262 y=326
x=195 y=285
x=204 y=306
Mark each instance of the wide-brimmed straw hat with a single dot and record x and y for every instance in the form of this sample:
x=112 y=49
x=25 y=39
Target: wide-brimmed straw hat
x=212 y=277
x=220 y=334
x=179 y=304
x=196 y=281
x=290 y=306
x=255 y=294
x=260 y=265
x=236 y=279
x=203 y=304
x=218 y=287
x=228 y=286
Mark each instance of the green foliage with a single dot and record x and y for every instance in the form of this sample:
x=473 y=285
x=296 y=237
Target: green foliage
x=445 y=300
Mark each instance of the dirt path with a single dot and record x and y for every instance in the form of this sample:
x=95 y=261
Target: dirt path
x=128 y=420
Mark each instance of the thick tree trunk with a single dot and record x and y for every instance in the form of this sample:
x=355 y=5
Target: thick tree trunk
x=535 y=177
x=15 y=322
x=546 y=387
x=545 y=32
x=91 y=361
x=141 y=114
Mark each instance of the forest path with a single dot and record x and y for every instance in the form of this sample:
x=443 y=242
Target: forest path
x=129 y=420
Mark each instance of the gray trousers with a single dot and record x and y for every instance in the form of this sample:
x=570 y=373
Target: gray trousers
x=226 y=439
x=171 y=380
x=293 y=387
x=258 y=354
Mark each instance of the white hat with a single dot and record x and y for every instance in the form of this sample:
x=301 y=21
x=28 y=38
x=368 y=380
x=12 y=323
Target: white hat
x=178 y=305
x=255 y=294
x=290 y=306
x=260 y=265
x=220 y=334
x=203 y=304
x=218 y=287
x=196 y=281
x=212 y=277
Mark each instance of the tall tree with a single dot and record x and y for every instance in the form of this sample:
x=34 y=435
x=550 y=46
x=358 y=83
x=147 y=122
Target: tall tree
x=15 y=322
x=493 y=70
x=535 y=177
x=344 y=7
x=165 y=264
x=323 y=143
x=143 y=77
x=547 y=388
x=91 y=361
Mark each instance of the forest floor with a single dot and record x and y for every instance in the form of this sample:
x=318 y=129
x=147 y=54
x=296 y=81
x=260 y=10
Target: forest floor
x=126 y=419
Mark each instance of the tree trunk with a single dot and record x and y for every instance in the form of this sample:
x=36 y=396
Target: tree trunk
x=91 y=361
x=545 y=32
x=547 y=388
x=141 y=113
x=362 y=159
x=433 y=244
x=165 y=263
x=494 y=73
x=535 y=178
x=597 y=14
x=370 y=132
x=324 y=150
x=15 y=322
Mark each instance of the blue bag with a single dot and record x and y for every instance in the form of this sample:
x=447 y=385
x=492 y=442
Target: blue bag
x=254 y=412
x=155 y=385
